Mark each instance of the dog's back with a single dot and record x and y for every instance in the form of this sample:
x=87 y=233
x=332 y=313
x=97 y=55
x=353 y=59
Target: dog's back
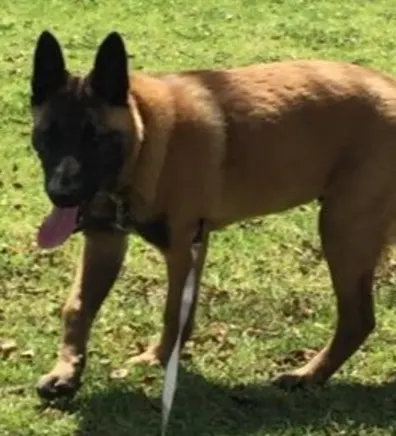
x=263 y=138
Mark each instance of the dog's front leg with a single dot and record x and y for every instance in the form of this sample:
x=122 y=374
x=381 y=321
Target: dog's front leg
x=102 y=259
x=179 y=262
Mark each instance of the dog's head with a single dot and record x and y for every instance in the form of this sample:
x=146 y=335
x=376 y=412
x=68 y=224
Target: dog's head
x=82 y=130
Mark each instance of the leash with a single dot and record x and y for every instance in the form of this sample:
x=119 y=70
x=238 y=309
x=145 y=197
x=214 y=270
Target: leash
x=172 y=367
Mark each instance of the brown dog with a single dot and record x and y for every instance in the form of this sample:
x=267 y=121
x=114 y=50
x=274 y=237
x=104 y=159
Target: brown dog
x=192 y=152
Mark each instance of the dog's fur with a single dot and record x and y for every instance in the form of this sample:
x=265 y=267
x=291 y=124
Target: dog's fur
x=219 y=146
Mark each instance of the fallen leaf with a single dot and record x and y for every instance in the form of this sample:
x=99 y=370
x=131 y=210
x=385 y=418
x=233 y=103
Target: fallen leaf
x=148 y=379
x=297 y=357
x=119 y=374
x=7 y=347
x=28 y=354
x=14 y=390
x=253 y=332
x=136 y=349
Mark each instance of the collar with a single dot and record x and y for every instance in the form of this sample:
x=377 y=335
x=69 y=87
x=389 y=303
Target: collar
x=108 y=211
x=112 y=212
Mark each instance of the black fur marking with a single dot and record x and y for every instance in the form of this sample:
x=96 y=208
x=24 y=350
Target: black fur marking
x=155 y=232
x=105 y=215
x=49 y=72
x=71 y=131
x=109 y=78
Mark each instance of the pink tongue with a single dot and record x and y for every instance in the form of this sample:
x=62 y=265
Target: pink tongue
x=57 y=227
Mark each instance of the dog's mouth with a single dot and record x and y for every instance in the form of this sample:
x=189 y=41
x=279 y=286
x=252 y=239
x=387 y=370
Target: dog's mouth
x=57 y=227
x=105 y=212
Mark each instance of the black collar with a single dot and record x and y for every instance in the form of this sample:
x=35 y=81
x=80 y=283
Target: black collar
x=112 y=212
x=107 y=212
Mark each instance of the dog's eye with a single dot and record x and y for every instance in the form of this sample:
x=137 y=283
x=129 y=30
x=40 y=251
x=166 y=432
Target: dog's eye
x=44 y=138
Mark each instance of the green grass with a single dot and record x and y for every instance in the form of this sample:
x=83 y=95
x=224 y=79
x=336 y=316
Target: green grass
x=265 y=290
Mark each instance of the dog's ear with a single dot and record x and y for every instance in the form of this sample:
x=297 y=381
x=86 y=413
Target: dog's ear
x=109 y=78
x=49 y=73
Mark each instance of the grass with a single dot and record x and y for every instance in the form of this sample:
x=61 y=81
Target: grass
x=266 y=294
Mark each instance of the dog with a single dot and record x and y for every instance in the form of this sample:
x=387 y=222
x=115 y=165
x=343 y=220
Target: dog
x=177 y=156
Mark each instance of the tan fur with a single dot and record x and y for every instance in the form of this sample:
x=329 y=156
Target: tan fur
x=228 y=145
x=261 y=139
x=295 y=127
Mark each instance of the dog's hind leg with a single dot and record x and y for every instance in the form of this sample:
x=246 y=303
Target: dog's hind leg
x=353 y=226
x=101 y=262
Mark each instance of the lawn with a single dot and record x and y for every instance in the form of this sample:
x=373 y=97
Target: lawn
x=266 y=301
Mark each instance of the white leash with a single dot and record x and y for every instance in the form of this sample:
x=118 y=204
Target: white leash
x=172 y=366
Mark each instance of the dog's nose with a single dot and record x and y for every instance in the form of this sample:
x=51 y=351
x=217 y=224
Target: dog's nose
x=64 y=188
x=64 y=194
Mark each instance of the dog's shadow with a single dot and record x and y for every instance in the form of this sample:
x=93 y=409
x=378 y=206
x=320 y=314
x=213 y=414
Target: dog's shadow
x=204 y=407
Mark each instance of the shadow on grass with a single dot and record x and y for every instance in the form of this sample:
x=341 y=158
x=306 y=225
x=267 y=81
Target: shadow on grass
x=203 y=407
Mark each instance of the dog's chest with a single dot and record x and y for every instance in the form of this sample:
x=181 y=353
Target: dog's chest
x=108 y=213
x=111 y=214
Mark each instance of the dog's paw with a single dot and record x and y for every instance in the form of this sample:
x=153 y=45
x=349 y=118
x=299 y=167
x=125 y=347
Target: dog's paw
x=55 y=385
x=290 y=381
x=152 y=356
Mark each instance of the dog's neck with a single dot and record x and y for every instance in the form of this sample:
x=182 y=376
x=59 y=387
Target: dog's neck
x=109 y=211
x=150 y=99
